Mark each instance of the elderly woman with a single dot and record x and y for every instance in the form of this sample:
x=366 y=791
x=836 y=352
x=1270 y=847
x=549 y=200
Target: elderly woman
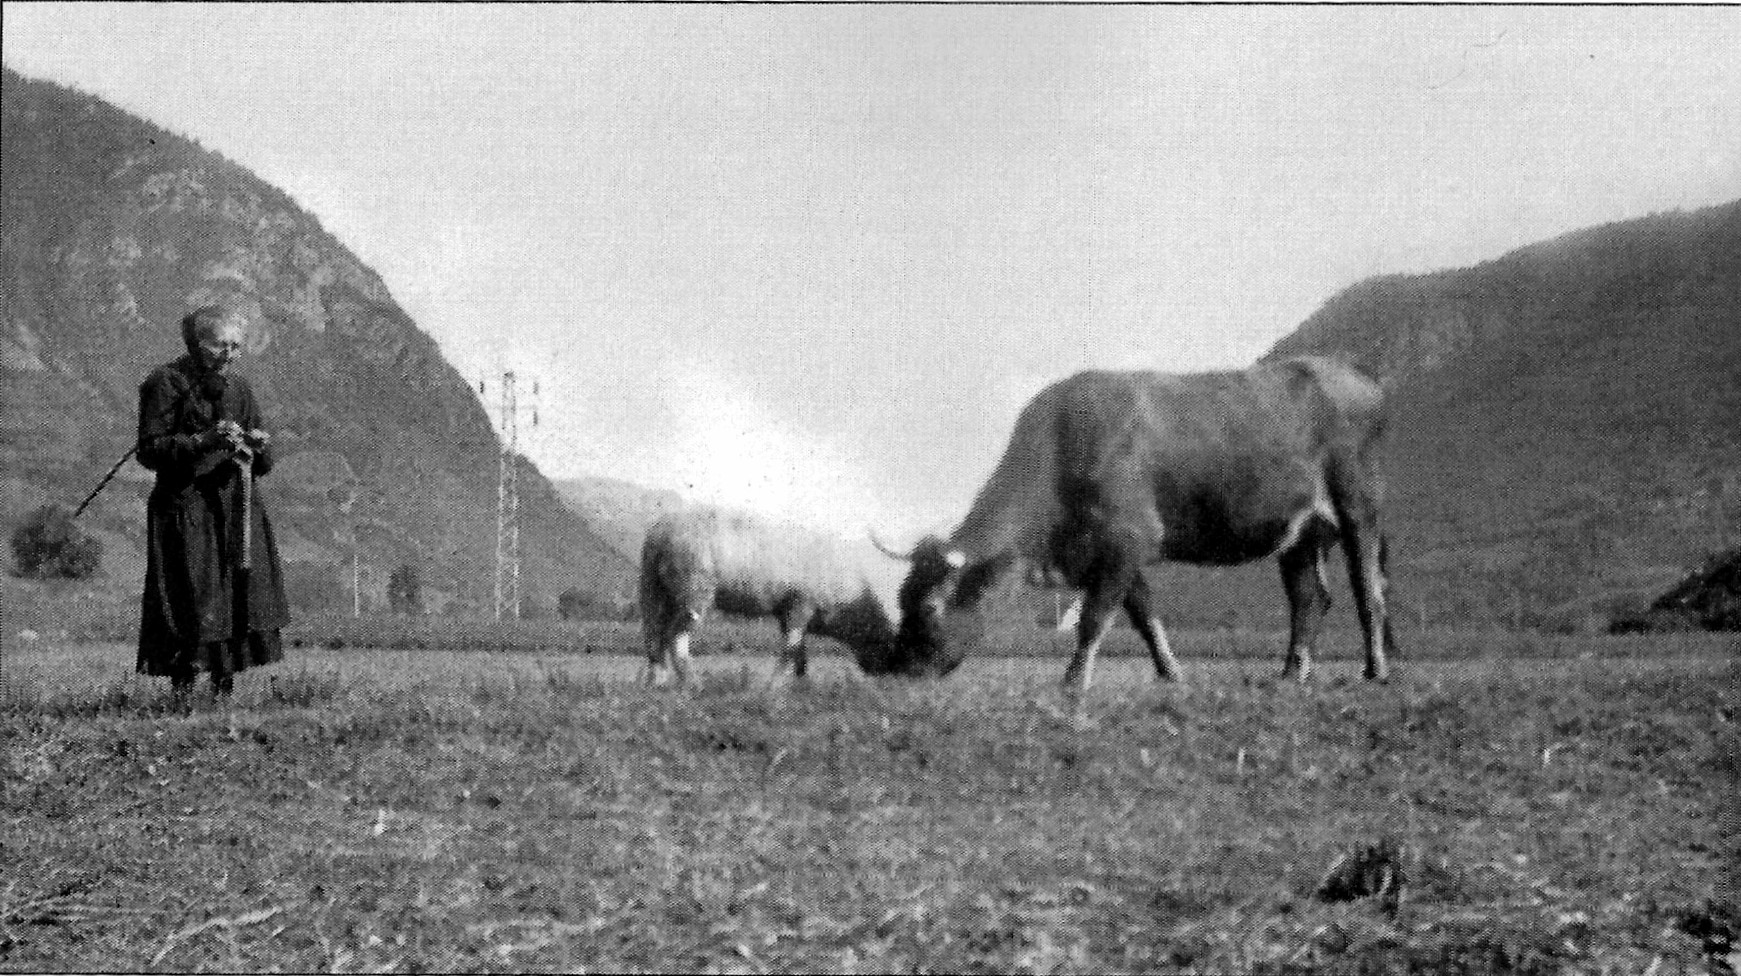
x=214 y=588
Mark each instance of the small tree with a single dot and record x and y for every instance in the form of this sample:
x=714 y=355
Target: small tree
x=405 y=590
x=48 y=545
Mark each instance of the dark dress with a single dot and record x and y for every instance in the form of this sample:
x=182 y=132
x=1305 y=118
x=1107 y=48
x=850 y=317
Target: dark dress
x=191 y=617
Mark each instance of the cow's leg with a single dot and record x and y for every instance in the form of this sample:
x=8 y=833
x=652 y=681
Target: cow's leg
x=678 y=628
x=1308 y=598
x=794 y=623
x=680 y=659
x=1362 y=544
x=1391 y=648
x=1100 y=600
x=654 y=635
x=1139 y=606
x=1090 y=631
x=1356 y=488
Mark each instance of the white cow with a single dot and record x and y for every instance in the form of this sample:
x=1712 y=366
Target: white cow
x=701 y=558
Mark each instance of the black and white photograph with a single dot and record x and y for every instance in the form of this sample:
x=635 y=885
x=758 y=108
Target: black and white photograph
x=870 y=488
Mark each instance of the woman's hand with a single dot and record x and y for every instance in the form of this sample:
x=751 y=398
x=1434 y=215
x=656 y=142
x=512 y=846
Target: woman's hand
x=225 y=434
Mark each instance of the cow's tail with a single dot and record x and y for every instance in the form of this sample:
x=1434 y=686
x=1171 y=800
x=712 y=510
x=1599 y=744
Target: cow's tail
x=1390 y=645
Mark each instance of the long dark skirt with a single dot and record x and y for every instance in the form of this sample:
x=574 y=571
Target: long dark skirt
x=222 y=659
x=196 y=601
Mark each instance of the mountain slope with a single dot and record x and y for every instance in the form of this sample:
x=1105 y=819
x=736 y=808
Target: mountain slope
x=1567 y=417
x=617 y=510
x=113 y=228
x=1566 y=431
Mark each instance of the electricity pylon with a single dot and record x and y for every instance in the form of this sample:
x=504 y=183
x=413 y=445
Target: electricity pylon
x=508 y=501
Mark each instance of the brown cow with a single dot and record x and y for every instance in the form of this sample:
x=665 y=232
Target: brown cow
x=1109 y=472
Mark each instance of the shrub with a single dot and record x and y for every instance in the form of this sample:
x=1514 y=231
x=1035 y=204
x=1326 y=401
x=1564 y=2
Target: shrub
x=48 y=545
x=405 y=590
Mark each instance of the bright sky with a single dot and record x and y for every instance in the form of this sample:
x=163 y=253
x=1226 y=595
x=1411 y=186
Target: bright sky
x=813 y=260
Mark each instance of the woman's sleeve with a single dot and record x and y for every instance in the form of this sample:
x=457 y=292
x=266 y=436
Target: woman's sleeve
x=160 y=447
x=254 y=421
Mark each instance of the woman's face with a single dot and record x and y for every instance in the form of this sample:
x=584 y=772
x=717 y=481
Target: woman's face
x=218 y=345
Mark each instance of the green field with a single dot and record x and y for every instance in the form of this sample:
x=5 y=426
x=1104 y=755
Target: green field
x=365 y=810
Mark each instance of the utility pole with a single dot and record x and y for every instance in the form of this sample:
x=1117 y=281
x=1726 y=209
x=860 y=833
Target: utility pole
x=360 y=492
x=508 y=507
x=508 y=500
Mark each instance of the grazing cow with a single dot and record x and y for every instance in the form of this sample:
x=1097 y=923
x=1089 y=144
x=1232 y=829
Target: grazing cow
x=808 y=582
x=1109 y=472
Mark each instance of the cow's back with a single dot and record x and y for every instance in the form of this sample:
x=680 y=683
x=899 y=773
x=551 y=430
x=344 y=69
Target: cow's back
x=1289 y=408
x=749 y=564
x=1207 y=467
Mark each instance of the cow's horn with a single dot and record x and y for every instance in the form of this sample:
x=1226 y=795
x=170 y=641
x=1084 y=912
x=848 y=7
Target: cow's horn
x=905 y=557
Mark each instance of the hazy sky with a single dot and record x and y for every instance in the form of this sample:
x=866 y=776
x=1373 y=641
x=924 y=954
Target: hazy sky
x=813 y=260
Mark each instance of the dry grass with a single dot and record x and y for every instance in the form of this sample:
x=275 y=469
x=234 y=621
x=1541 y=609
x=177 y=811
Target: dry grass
x=400 y=811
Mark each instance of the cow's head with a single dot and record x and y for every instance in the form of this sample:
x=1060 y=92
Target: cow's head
x=939 y=623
